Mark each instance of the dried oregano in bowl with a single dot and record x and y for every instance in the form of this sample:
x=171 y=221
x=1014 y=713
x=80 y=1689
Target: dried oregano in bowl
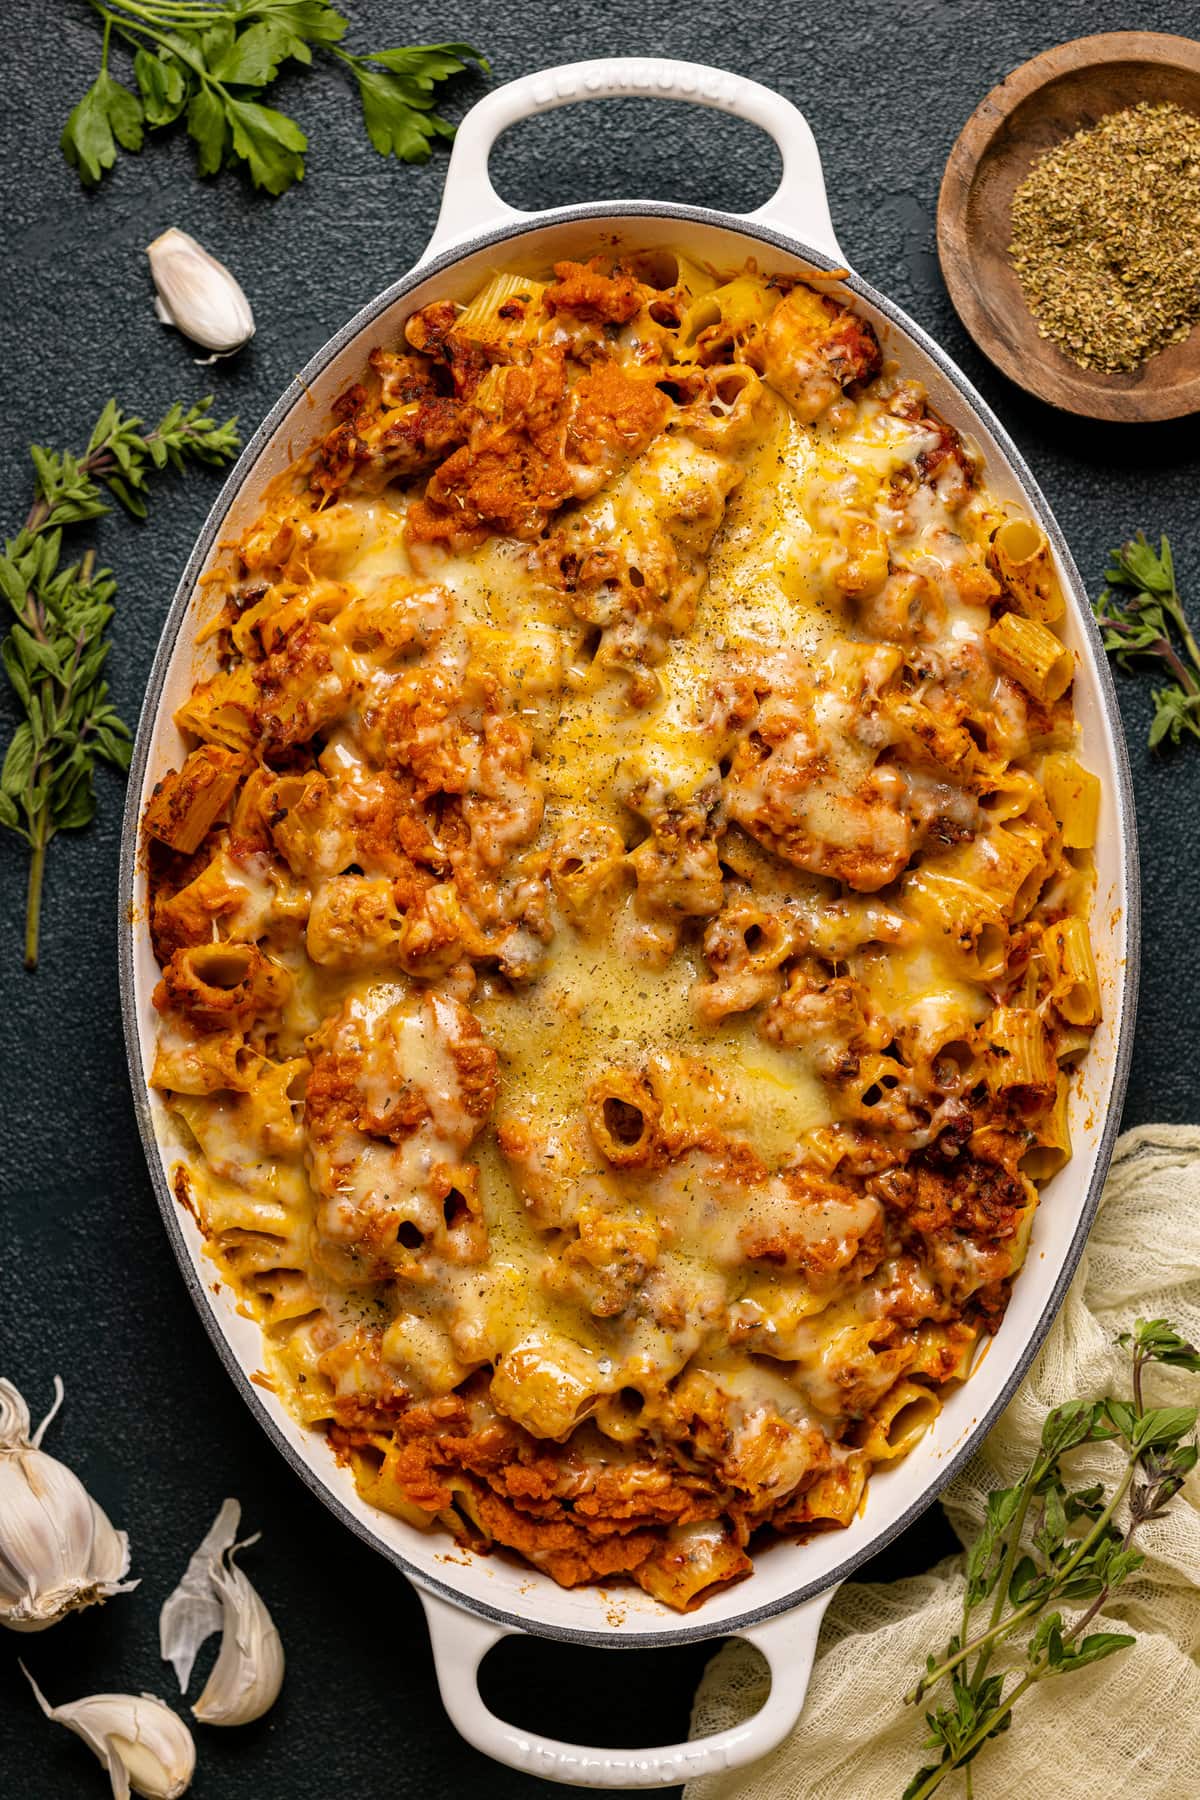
x=1106 y=237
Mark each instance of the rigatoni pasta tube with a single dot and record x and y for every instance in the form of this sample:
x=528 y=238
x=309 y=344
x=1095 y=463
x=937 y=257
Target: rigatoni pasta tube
x=944 y=1352
x=282 y=610
x=376 y=1484
x=187 y=802
x=834 y=1498
x=1052 y=1148
x=1005 y=863
x=547 y=1384
x=692 y=1563
x=1020 y=1050
x=201 y=1063
x=619 y=1415
x=623 y=1115
x=1076 y=984
x=219 y=986
x=973 y=925
x=690 y=279
x=222 y=711
x=740 y=307
x=296 y=1360
x=1074 y=796
x=587 y=867
x=1020 y=557
x=1024 y=1228
x=421 y=1349
x=900 y=1420
x=280 y=1295
x=1032 y=655
x=1013 y=793
x=1072 y=1042
x=502 y=311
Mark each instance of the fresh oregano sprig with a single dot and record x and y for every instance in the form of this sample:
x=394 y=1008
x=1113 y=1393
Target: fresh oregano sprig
x=1045 y=1547
x=1140 y=613
x=56 y=650
x=210 y=62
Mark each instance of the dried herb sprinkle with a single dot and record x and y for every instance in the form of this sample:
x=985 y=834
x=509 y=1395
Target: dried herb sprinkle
x=1106 y=237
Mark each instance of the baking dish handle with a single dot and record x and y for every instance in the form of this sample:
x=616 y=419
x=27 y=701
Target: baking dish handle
x=470 y=204
x=461 y=1641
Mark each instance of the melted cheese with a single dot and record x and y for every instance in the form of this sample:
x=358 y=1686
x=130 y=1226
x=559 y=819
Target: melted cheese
x=594 y=1008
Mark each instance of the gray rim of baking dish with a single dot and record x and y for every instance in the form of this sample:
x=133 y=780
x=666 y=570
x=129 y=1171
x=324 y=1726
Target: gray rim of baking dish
x=598 y=212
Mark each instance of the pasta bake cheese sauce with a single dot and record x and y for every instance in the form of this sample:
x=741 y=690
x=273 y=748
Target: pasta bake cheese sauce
x=623 y=922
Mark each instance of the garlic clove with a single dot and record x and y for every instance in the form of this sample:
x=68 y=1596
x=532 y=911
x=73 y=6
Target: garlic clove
x=146 y=1748
x=193 y=1611
x=214 y=1593
x=198 y=295
x=248 y=1673
x=58 y=1549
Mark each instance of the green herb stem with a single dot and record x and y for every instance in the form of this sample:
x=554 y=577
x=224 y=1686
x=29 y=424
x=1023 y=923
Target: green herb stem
x=1139 y=1363
x=173 y=44
x=55 y=653
x=1163 y=649
x=1000 y=1629
x=33 y=892
x=1174 y=606
x=159 y=12
x=1012 y=1550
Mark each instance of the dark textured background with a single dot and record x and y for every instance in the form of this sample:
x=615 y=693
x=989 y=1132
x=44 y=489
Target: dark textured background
x=88 y=1283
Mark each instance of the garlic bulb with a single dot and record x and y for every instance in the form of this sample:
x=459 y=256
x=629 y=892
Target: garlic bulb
x=198 y=295
x=146 y=1748
x=58 y=1551
x=214 y=1593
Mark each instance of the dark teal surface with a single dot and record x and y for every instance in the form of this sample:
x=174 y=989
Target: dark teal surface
x=88 y=1286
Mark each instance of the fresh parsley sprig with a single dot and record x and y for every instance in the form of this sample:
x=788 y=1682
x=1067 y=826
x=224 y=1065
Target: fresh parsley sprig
x=208 y=62
x=396 y=89
x=1045 y=1546
x=1140 y=613
x=55 y=653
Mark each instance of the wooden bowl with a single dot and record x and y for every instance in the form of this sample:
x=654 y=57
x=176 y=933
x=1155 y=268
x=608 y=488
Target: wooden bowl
x=1032 y=110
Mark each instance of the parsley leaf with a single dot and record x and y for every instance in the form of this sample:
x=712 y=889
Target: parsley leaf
x=253 y=58
x=398 y=107
x=208 y=128
x=315 y=21
x=397 y=94
x=270 y=143
x=162 y=85
x=107 y=115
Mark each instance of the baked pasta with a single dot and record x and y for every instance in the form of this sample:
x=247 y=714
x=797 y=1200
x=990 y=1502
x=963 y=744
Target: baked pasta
x=623 y=918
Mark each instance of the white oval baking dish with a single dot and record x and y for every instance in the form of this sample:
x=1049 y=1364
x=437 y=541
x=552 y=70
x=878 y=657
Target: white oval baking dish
x=472 y=1602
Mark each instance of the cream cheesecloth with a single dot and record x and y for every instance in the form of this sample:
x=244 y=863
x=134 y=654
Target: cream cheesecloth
x=1123 y=1728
